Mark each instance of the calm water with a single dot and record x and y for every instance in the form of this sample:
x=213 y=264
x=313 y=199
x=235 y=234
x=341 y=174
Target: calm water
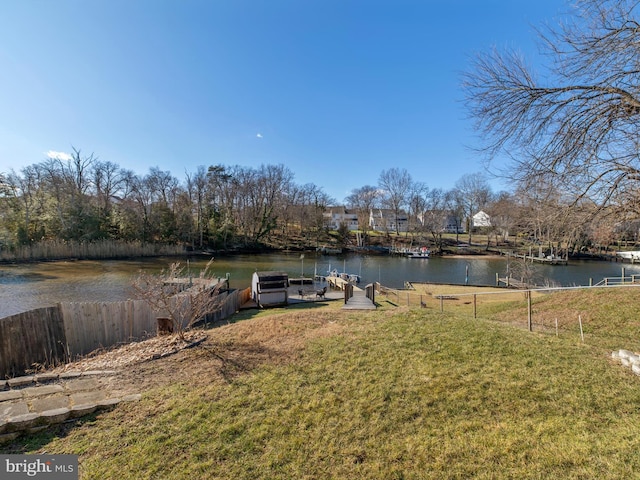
x=24 y=287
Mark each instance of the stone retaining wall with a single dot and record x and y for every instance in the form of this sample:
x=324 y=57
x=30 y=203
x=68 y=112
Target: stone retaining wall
x=32 y=403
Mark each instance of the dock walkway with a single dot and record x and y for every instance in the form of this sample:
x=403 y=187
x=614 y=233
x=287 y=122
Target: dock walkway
x=510 y=282
x=359 y=301
x=549 y=260
x=337 y=283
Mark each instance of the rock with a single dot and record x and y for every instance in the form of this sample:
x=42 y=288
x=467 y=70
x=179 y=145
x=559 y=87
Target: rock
x=58 y=415
x=78 y=411
x=23 y=422
x=10 y=395
x=46 y=377
x=109 y=402
x=20 y=381
x=624 y=353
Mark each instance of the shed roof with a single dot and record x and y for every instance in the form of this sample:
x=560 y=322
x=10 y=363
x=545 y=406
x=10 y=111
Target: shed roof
x=271 y=275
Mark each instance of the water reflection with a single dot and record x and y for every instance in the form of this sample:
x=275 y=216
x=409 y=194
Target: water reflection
x=8 y=278
x=24 y=287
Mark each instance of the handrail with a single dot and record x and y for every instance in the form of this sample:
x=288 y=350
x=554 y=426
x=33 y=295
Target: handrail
x=617 y=280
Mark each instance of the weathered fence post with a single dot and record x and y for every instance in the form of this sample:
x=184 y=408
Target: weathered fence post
x=530 y=324
x=581 y=331
x=474 y=306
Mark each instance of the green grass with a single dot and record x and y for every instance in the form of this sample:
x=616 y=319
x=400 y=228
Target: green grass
x=405 y=393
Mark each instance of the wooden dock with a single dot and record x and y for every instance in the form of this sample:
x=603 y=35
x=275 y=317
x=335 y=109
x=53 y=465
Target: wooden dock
x=337 y=283
x=549 y=260
x=513 y=283
x=185 y=283
x=359 y=301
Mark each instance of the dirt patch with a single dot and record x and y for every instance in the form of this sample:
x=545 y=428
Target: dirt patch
x=133 y=353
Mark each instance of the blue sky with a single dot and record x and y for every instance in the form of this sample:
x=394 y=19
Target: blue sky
x=335 y=90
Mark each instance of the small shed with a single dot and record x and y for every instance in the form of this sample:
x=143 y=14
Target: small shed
x=269 y=289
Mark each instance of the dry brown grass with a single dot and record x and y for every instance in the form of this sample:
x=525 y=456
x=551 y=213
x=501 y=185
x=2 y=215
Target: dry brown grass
x=609 y=315
x=455 y=297
x=216 y=354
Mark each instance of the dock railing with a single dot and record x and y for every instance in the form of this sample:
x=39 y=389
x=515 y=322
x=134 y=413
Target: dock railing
x=370 y=292
x=348 y=292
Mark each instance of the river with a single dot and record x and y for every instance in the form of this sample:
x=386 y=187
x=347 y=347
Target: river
x=28 y=286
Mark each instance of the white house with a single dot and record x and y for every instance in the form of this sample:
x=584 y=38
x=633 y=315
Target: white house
x=384 y=220
x=481 y=219
x=336 y=216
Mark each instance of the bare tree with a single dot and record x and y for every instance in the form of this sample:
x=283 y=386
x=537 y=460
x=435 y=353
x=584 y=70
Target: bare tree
x=363 y=200
x=579 y=125
x=434 y=217
x=176 y=293
x=196 y=185
x=417 y=204
x=522 y=270
x=107 y=180
x=472 y=192
x=162 y=184
x=313 y=202
x=503 y=211
x=396 y=185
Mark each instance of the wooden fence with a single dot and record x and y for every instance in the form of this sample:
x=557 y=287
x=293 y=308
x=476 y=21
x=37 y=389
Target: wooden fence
x=56 y=335
x=92 y=325
x=244 y=296
x=230 y=304
x=31 y=338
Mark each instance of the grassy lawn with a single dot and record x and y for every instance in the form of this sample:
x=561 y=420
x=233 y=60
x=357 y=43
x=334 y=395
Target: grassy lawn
x=395 y=393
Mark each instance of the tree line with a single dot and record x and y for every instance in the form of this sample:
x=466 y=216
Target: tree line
x=85 y=199
x=540 y=213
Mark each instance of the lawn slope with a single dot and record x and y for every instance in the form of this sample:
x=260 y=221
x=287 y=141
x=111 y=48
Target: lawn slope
x=395 y=393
